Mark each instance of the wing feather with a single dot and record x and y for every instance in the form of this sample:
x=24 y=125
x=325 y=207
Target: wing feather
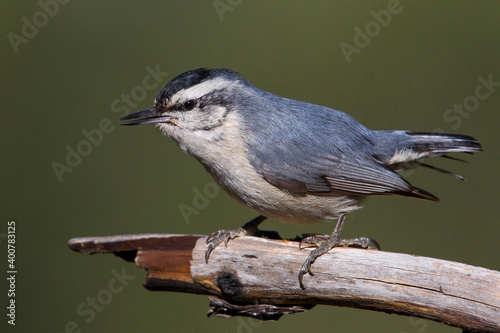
x=319 y=151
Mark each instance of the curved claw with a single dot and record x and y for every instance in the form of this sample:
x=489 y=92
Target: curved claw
x=304 y=240
x=214 y=240
x=301 y=274
x=221 y=236
x=250 y=228
x=362 y=242
x=215 y=235
x=376 y=245
x=306 y=268
x=209 y=250
x=315 y=240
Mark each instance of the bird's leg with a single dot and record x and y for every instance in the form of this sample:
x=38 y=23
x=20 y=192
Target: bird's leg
x=248 y=229
x=325 y=243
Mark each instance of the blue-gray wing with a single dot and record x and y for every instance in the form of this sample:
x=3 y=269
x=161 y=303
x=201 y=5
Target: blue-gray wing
x=299 y=170
x=305 y=148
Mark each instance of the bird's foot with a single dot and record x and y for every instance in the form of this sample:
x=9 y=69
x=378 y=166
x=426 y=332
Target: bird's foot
x=249 y=229
x=325 y=243
x=222 y=236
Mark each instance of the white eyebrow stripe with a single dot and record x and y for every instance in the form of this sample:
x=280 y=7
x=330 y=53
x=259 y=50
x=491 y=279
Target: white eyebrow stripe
x=202 y=89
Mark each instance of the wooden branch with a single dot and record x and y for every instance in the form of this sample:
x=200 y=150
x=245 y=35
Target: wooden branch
x=258 y=277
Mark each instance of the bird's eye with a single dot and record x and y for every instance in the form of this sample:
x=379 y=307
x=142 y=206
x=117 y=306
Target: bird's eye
x=189 y=105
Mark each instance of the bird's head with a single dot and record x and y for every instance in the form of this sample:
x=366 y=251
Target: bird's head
x=195 y=101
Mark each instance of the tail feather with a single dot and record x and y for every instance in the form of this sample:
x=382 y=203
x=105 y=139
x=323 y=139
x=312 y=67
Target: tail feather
x=422 y=194
x=442 y=143
x=402 y=150
x=400 y=147
x=457 y=176
x=455 y=158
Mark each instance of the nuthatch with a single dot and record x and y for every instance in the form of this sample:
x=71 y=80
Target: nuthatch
x=289 y=160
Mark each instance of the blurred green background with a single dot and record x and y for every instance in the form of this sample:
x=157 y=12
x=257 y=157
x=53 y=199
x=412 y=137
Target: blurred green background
x=67 y=69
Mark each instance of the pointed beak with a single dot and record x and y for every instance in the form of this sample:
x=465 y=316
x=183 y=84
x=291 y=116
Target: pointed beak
x=149 y=116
